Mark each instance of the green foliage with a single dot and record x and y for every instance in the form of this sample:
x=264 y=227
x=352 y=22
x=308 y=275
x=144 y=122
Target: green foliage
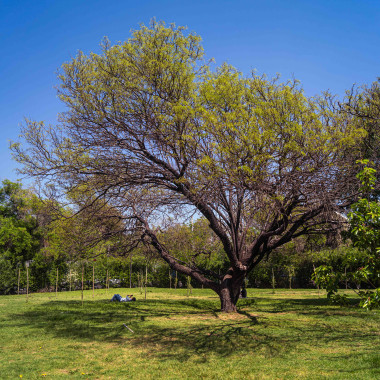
x=364 y=233
x=325 y=277
x=363 y=104
x=8 y=276
x=365 y=215
x=20 y=236
x=369 y=299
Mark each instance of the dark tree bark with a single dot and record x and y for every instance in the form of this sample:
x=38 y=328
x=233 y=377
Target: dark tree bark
x=230 y=289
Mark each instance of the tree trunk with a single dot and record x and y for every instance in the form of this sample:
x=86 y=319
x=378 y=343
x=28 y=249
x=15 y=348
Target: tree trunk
x=230 y=290
x=227 y=300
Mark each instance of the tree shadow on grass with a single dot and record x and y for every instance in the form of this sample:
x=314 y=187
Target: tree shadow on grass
x=104 y=320
x=200 y=341
x=184 y=329
x=309 y=306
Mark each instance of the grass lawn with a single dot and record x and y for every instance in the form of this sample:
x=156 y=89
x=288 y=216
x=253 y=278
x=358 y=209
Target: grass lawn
x=291 y=334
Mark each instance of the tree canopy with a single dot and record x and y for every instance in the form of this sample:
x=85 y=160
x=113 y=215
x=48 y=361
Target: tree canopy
x=363 y=103
x=155 y=132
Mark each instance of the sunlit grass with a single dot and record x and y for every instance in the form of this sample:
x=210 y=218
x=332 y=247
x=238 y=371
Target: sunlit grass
x=286 y=335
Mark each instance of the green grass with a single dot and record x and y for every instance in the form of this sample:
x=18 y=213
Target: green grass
x=287 y=335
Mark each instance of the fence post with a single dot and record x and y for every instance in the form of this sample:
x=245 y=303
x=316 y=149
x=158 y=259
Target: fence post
x=93 y=280
x=56 y=284
x=82 y=281
x=130 y=272
x=27 y=282
x=146 y=278
x=18 y=282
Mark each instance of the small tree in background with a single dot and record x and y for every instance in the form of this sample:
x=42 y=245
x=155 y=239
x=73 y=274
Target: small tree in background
x=20 y=235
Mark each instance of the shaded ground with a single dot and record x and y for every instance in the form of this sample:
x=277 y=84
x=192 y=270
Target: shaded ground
x=297 y=335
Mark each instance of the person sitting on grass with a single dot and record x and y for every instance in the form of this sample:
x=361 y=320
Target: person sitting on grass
x=119 y=298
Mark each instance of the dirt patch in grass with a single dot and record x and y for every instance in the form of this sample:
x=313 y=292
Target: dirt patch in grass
x=192 y=317
x=235 y=316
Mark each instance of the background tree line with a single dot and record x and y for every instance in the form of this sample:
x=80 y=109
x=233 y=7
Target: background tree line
x=32 y=232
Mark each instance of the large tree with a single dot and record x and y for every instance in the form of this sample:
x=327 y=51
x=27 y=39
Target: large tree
x=156 y=133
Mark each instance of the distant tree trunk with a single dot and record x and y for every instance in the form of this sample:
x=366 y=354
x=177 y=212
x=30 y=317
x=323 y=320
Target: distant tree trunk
x=70 y=278
x=291 y=274
x=170 y=279
x=107 y=282
x=345 y=276
x=273 y=281
x=317 y=285
x=141 y=280
x=93 y=280
x=189 y=287
x=107 y=273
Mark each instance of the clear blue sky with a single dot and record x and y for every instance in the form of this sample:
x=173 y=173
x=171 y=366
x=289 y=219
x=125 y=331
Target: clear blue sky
x=327 y=44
